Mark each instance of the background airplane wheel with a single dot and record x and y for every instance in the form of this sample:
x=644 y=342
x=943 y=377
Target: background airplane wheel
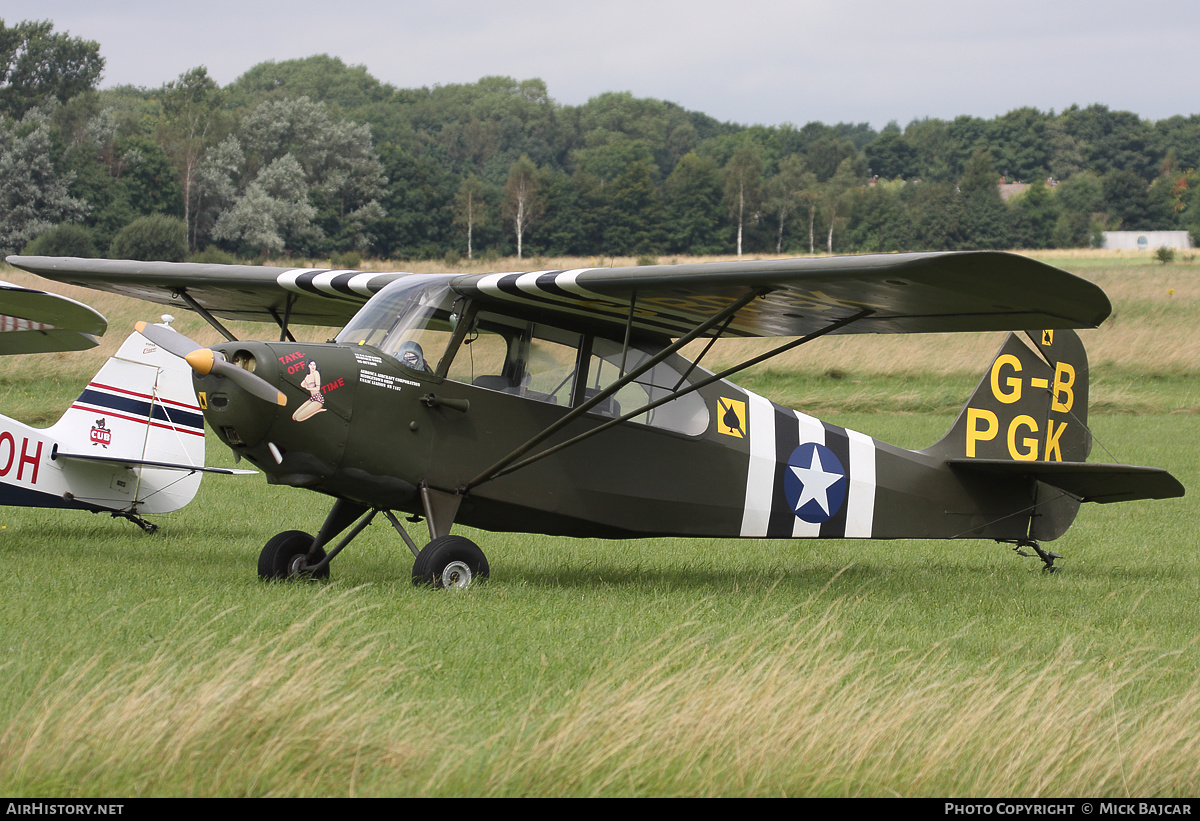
x=450 y=561
x=286 y=553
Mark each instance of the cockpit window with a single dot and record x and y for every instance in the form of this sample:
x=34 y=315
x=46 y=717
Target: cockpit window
x=610 y=360
x=410 y=320
x=518 y=357
x=566 y=368
x=414 y=319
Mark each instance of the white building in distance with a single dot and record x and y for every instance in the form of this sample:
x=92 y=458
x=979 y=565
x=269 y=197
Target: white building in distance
x=1145 y=240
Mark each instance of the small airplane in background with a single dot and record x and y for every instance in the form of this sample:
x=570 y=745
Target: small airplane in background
x=131 y=444
x=557 y=402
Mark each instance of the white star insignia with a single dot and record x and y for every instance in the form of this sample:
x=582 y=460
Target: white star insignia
x=815 y=483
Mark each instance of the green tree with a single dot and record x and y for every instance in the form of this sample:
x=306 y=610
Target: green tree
x=635 y=216
x=186 y=130
x=562 y=225
x=470 y=208
x=521 y=203
x=693 y=201
x=65 y=240
x=33 y=198
x=1019 y=143
x=785 y=192
x=340 y=173
x=1127 y=201
x=984 y=217
x=935 y=211
x=1081 y=208
x=1167 y=197
x=351 y=89
x=1082 y=193
x=1035 y=215
x=891 y=157
x=37 y=65
x=1113 y=140
x=272 y=214
x=153 y=237
x=835 y=194
x=826 y=154
x=1181 y=135
x=879 y=220
x=743 y=186
x=419 y=205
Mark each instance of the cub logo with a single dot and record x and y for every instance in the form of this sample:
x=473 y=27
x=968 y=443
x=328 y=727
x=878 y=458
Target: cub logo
x=101 y=435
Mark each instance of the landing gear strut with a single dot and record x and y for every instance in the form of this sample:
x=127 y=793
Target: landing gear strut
x=446 y=562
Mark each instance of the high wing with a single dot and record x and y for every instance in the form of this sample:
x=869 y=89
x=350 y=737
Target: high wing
x=33 y=321
x=896 y=293
x=884 y=293
x=305 y=296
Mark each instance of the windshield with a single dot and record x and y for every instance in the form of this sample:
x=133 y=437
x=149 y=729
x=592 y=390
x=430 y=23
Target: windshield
x=409 y=320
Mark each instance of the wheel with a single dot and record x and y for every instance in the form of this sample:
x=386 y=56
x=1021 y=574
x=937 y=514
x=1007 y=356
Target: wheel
x=450 y=561
x=285 y=556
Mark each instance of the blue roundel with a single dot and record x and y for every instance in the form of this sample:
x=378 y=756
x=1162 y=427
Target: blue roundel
x=814 y=483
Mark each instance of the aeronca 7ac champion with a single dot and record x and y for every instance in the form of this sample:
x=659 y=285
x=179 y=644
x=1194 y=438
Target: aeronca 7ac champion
x=557 y=402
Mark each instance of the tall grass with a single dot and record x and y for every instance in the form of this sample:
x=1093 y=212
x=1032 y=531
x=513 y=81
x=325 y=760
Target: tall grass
x=806 y=716
x=295 y=713
x=786 y=710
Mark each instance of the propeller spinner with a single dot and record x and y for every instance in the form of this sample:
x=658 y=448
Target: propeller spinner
x=205 y=361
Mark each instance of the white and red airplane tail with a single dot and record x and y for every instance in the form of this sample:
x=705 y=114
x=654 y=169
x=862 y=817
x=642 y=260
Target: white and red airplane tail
x=131 y=444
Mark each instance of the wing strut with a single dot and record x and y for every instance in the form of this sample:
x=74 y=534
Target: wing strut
x=699 y=330
x=209 y=318
x=506 y=465
x=285 y=333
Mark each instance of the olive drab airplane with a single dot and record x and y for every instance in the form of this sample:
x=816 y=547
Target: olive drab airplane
x=557 y=402
x=131 y=444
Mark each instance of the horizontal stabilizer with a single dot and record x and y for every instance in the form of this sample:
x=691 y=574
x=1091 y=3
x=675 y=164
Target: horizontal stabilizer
x=134 y=463
x=1087 y=481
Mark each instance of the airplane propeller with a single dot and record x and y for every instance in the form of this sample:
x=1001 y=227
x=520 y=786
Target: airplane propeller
x=205 y=361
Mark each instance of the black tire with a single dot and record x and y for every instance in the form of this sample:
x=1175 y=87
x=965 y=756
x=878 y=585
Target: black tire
x=450 y=561
x=283 y=557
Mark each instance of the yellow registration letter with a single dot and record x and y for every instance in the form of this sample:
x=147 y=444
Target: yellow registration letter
x=1064 y=378
x=974 y=434
x=1031 y=444
x=1053 y=450
x=1013 y=382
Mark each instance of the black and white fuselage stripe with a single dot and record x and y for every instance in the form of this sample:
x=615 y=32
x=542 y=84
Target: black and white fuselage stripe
x=841 y=502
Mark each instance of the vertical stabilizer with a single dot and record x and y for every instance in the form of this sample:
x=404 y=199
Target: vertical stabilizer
x=1030 y=406
x=140 y=406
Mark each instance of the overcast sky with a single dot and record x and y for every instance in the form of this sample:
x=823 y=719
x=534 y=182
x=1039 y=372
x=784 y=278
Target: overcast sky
x=760 y=62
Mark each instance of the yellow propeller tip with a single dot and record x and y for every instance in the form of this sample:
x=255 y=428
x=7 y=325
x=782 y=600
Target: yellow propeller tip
x=139 y=326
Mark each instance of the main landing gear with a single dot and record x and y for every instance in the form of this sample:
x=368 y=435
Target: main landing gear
x=448 y=562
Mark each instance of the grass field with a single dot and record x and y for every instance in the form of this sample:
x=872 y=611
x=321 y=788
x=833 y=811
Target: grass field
x=138 y=665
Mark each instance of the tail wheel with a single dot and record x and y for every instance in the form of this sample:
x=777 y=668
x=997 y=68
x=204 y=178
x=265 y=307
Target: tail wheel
x=286 y=556
x=450 y=562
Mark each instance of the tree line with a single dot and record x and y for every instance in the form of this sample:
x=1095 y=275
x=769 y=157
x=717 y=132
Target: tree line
x=314 y=158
